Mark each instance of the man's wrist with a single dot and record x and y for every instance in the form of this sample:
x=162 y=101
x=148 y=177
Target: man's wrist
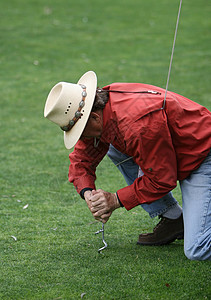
x=82 y=192
x=120 y=203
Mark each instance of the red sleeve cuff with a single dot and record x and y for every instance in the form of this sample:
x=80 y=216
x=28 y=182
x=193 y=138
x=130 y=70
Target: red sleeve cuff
x=127 y=198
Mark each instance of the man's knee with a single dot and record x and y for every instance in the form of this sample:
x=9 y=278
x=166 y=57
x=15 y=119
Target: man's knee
x=198 y=252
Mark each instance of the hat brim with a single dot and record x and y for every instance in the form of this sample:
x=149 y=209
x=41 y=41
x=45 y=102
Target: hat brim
x=89 y=79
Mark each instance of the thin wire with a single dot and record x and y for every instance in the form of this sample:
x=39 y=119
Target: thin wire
x=169 y=72
x=172 y=53
x=121 y=162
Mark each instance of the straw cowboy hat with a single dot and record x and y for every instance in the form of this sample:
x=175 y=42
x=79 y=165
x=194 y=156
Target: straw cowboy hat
x=69 y=105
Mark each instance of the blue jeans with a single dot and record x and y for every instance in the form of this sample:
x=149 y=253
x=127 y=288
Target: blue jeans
x=196 y=198
x=129 y=170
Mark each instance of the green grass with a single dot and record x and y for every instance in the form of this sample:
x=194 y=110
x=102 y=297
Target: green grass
x=55 y=255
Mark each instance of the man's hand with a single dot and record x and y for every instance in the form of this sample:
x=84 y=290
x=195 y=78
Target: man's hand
x=103 y=204
x=87 y=196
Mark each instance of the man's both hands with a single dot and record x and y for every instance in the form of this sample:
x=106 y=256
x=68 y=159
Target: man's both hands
x=101 y=204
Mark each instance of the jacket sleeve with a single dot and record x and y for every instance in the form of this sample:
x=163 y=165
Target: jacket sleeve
x=154 y=153
x=83 y=162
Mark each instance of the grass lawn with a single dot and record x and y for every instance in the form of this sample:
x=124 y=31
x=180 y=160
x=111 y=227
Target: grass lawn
x=48 y=249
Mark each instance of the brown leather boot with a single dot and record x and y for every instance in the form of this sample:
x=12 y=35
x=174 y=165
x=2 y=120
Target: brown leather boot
x=165 y=232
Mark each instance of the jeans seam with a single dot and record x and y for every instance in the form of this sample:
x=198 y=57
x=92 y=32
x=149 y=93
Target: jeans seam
x=160 y=212
x=206 y=205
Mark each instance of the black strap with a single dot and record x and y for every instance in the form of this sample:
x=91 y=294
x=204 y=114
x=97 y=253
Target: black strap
x=137 y=92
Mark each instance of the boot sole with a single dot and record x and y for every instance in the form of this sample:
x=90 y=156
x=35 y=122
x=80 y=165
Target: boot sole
x=177 y=237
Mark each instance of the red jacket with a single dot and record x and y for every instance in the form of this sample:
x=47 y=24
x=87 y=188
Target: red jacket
x=167 y=144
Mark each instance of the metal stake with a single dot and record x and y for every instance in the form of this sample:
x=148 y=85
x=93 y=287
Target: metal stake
x=104 y=242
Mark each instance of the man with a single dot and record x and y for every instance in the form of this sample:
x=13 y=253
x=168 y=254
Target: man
x=159 y=142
